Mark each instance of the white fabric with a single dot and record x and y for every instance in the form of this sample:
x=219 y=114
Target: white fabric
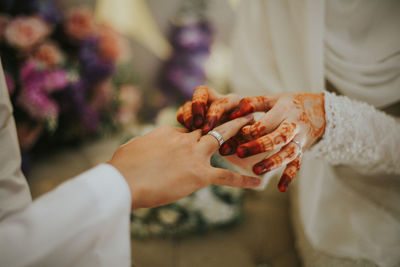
x=14 y=190
x=83 y=222
x=296 y=45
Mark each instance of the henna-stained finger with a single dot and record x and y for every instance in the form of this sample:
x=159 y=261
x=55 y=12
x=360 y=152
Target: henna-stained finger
x=287 y=154
x=252 y=104
x=201 y=96
x=179 y=116
x=289 y=174
x=275 y=140
x=187 y=115
x=265 y=124
x=217 y=109
x=229 y=147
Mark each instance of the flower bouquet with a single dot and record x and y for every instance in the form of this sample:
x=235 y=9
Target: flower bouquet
x=68 y=77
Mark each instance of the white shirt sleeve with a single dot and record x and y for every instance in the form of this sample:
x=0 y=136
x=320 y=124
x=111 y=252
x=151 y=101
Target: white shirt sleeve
x=14 y=190
x=360 y=136
x=83 y=222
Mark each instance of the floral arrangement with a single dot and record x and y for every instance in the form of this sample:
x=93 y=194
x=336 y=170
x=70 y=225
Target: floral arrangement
x=191 y=37
x=68 y=77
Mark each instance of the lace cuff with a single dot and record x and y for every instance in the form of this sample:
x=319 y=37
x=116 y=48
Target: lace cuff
x=359 y=135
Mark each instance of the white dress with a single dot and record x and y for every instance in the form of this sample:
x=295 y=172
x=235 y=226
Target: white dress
x=345 y=204
x=83 y=222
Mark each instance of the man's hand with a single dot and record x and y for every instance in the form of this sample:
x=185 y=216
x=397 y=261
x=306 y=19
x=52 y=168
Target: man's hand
x=170 y=163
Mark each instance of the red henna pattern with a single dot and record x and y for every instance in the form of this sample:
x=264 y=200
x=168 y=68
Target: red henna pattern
x=289 y=174
x=179 y=116
x=287 y=154
x=187 y=115
x=268 y=142
x=253 y=131
x=313 y=113
x=250 y=104
x=200 y=99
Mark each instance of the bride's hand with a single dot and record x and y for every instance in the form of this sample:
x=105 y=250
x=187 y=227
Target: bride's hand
x=291 y=124
x=206 y=109
x=170 y=163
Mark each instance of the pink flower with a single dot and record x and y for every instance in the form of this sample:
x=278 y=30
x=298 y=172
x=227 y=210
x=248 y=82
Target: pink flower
x=4 y=20
x=25 y=32
x=37 y=84
x=49 y=54
x=131 y=100
x=79 y=23
x=113 y=46
x=102 y=95
x=55 y=80
x=37 y=104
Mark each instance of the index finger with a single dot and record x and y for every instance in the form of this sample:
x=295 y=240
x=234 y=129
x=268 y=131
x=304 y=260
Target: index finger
x=253 y=104
x=201 y=95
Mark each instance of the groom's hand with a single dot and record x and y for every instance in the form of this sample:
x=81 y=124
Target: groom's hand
x=170 y=163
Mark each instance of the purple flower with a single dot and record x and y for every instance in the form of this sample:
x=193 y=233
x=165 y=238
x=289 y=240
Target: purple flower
x=193 y=37
x=50 y=12
x=77 y=107
x=37 y=84
x=90 y=119
x=94 y=67
x=184 y=71
x=55 y=80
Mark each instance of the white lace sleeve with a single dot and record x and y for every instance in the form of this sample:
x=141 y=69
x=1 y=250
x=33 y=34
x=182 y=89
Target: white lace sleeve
x=359 y=135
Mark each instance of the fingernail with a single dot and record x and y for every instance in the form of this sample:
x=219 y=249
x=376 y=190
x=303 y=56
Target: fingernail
x=262 y=167
x=225 y=149
x=284 y=183
x=242 y=151
x=259 y=169
x=198 y=120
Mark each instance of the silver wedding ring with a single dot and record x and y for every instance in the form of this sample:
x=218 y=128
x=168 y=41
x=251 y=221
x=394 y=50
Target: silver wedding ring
x=300 y=147
x=217 y=136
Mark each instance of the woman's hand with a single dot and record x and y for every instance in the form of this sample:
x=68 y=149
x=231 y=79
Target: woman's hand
x=206 y=109
x=169 y=163
x=291 y=124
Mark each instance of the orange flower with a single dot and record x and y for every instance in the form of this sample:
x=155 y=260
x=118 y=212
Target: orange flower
x=49 y=54
x=25 y=32
x=113 y=46
x=79 y=23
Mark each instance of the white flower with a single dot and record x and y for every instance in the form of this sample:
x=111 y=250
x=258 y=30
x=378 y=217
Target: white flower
x=141 y=213
x=155 y=228
x=168 y=216
x=233 y=191
x=212 y=209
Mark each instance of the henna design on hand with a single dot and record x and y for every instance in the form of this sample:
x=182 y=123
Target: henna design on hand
x=289 y=174
x=277 y=139
x=199 y=104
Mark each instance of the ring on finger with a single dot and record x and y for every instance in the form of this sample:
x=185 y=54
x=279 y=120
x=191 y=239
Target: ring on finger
x=299 y=146
x=217 y=136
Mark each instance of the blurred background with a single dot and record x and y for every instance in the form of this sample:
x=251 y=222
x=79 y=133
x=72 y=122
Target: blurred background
x=84 y=76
